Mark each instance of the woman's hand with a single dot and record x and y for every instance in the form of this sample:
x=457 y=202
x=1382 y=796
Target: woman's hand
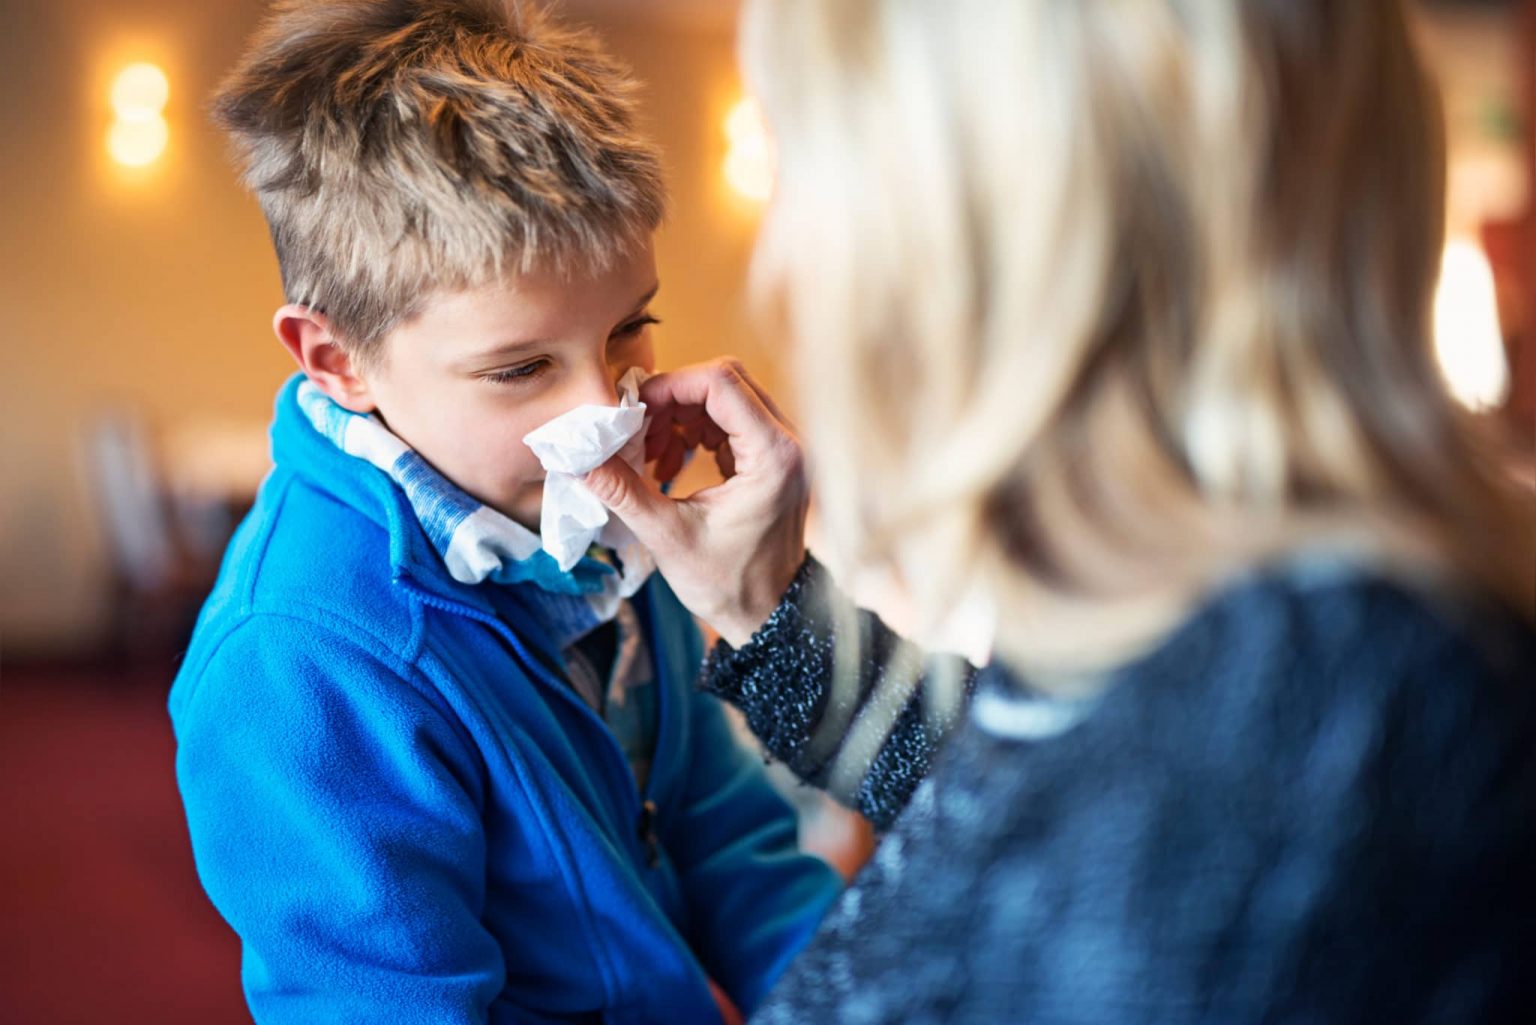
x=729 y=551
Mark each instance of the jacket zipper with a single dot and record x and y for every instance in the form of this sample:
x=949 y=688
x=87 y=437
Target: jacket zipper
x=649 y=840
x=644 y=845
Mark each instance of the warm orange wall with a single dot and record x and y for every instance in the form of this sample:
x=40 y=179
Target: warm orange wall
x=148 y=293
x=154 y=293
x=690 y=83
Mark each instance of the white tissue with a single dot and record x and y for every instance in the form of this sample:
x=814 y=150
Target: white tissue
x=570 y=446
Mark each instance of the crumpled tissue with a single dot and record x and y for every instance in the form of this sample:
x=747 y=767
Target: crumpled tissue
x=568 y=447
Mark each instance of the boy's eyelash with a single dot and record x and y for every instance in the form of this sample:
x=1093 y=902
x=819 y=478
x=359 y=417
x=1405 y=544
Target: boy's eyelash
x=515 y=375
x=637 y=324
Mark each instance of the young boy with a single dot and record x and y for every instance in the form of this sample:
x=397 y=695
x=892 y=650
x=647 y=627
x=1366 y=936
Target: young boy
x=429 y=776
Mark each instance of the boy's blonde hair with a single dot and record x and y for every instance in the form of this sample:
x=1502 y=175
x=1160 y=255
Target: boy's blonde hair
x=1099 y=303
x=399 y=147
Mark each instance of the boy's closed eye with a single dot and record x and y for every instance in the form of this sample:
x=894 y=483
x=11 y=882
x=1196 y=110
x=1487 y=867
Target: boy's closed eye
x=521 y=373
x=533 y=369
x=635 y=326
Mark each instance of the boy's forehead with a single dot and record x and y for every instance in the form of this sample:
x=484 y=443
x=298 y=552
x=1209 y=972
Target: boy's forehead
x=540 y=304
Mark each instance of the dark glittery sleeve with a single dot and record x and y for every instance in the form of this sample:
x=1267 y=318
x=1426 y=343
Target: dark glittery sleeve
x=837 y=696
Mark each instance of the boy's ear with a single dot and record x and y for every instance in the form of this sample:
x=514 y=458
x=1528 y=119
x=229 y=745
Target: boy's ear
x=306 y=334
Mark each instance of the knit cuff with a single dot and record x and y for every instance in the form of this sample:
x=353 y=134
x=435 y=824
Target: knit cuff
x=793 y=625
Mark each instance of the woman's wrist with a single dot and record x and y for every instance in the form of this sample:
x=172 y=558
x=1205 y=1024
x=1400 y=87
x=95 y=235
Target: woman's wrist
x=757 y=603
x=743 y=628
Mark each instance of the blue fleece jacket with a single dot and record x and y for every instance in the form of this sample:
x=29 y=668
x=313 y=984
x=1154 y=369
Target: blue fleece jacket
x=407 y=814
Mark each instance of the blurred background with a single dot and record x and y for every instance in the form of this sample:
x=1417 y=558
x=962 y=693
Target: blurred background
x=137 y=372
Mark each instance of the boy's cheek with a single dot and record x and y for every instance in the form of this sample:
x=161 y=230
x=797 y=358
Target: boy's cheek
x=517 y=467
x=491 y=467
x=513 y=484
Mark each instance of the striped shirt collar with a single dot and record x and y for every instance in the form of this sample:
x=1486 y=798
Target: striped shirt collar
x=476 y=543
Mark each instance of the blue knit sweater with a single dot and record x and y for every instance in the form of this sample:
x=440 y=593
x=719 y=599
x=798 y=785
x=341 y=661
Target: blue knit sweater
x=1316 y=802
x=408 y=815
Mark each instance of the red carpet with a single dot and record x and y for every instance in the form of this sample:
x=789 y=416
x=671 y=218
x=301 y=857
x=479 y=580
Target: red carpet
x=101 y=915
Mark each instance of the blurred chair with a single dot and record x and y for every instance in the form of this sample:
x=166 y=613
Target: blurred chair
x=163 y=548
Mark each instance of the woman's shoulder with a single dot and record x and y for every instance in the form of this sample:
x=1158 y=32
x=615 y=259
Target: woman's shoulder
x=1317 y=683
x=1321 y=759
x=1293 y=640
x=1316 y=760
x=1329 y=605
x=1319 y=633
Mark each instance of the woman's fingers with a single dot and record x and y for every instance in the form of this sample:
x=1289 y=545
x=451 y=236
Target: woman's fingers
x=657 y=521
x=670 y=453
x=670 y=463
x=708 y=406
x=722 y=390
x=693 y=433
x=767 y=400
x=728 y=551
x=658 y=434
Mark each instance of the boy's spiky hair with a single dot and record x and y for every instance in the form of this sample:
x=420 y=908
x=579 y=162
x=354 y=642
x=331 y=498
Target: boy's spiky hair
x=402 y=146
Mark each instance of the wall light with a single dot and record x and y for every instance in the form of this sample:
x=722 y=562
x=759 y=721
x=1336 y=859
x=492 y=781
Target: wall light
x=140 y=89
x=138 y=143
x=1469 y=345
x=139 y=134
x=749 y=155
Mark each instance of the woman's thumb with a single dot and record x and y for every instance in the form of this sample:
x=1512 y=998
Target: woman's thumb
x=635 y=500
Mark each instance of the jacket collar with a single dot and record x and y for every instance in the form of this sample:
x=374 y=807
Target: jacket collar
x=300 y=449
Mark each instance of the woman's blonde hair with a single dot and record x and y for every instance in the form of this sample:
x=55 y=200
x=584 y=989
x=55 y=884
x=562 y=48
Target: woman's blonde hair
x=1099 y=302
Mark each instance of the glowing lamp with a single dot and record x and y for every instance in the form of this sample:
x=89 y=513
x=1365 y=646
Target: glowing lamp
x=139 y=134
x=140 y=90
x=749 y=155
x=138 y=143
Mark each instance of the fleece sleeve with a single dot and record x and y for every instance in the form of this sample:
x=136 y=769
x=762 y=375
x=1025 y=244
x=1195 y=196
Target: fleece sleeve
x=754 y=898
x=334 y=813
